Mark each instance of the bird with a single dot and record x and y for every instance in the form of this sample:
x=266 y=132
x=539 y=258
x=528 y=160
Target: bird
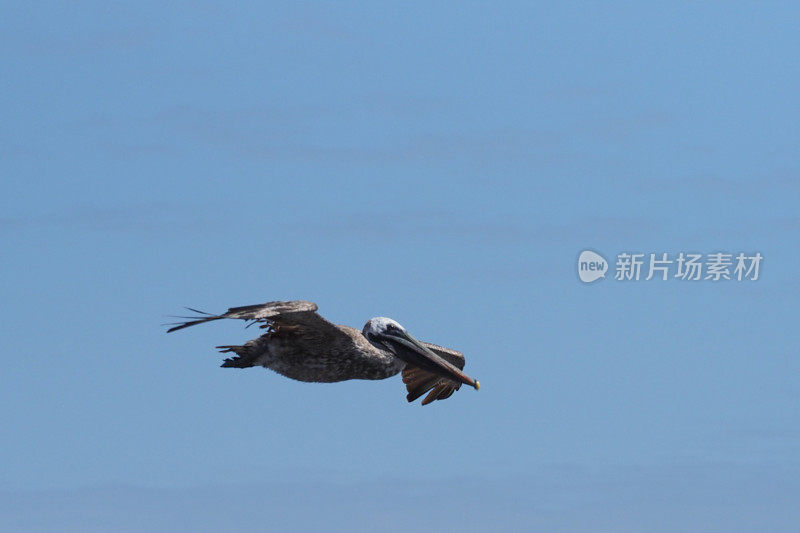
x=300 y=344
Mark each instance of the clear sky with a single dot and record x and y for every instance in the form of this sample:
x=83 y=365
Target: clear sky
x=443 y=165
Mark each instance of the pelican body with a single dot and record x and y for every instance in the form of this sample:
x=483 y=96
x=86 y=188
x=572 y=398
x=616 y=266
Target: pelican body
x=302 y=345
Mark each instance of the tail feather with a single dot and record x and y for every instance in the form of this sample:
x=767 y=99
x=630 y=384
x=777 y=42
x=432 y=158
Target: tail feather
x=251 y=353
x=241 y=360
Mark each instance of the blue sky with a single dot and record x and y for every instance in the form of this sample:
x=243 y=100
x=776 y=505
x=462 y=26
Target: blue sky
x=440 y=164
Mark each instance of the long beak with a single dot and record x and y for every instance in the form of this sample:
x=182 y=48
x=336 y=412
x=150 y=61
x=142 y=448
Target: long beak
x=413 y=352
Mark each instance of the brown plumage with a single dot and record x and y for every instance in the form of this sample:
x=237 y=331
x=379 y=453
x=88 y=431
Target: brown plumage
x=419 y=381
x=302 y=345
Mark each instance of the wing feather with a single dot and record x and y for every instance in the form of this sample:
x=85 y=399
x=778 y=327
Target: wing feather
x=265 y=312
x=419 y=381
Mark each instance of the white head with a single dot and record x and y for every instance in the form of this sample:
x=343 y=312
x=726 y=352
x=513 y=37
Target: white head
x=386 y=334
x=380 y=326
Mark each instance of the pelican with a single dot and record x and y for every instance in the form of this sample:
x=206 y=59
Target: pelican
x=301 y=345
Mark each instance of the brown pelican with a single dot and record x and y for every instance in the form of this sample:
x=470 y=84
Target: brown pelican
x=302 y=345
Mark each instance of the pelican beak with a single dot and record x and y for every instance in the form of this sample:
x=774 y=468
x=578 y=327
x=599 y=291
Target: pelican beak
x=413 y=352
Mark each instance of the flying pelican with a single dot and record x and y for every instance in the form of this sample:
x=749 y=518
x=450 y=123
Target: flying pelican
x=302 y=345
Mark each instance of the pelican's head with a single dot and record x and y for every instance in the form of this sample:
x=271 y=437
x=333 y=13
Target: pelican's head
x=386 y=334
x=380 y=325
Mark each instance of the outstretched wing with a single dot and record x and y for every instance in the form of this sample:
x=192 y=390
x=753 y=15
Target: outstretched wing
x=304 y=331
x=265 y=313
x=419 y=381
x=300 y=316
